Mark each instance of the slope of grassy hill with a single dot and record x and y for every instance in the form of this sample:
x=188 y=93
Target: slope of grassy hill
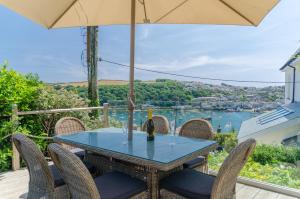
x=100 y=82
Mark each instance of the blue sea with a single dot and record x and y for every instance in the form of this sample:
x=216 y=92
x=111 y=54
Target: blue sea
x=228 y=121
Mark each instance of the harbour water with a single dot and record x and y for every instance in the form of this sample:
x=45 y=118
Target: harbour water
x=228 y=121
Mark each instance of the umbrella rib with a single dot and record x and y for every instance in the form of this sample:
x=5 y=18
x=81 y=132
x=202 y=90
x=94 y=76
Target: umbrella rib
x=237 y=12
x=62 y=14
x=170 y=11
x=146 y=20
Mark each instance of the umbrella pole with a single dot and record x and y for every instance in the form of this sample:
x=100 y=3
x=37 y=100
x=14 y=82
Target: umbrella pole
x=131 y=99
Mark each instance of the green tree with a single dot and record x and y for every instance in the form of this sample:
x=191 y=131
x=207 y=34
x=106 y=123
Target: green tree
x=15 y=88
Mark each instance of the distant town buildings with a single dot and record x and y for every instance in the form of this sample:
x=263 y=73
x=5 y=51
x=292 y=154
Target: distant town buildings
x=233 y=98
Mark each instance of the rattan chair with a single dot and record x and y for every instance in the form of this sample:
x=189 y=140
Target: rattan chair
x=45 y=180
x=161 y=124
x=202 y=129
x=190 y=183
x=69 y=125
x=111 y=185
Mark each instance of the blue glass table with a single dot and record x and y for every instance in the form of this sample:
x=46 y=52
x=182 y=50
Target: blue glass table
x=165 y=153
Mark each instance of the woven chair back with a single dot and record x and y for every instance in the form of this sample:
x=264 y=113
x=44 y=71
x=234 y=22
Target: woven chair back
x=77 y=177
x=68 y=125
x=224 y=185
x=197 y=128
x=41 y=179
x=161 y=124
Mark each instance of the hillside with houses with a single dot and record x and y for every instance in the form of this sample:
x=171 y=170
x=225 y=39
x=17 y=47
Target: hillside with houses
x=200 y=95
x=229 y=97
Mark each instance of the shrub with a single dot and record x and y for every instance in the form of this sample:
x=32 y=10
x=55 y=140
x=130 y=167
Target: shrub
x=226 y=140
x=49 y=98
x=30 y=94
x=273 y=164
x=15 y=88
x=268 y=154
x=263 y=154
x=279 y=173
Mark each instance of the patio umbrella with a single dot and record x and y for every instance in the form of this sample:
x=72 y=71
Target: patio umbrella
x=72 y=13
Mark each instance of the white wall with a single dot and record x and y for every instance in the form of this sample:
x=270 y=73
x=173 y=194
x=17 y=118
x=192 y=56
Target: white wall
x=288 y=86
x=289 y=77
x=297 y=88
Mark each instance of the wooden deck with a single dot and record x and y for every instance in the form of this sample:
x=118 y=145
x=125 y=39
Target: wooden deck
x=14 y=185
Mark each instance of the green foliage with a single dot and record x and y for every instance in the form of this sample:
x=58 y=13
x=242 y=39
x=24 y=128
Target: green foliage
x=273 y=164
x=49 y=98
x=160 y=93
x=268 y=154
x=163 y=92
x=113 y=93
x=5 y=151
x=280 y=173
x=5 y=159
x=201 y=92
x=243 y=98
x=166 y=92
x=30 y=94
x=15 y=88
x=226 y=140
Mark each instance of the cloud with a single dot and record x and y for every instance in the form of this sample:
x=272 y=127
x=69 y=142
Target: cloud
x=248 y=62
x=55 y=68
x=144 y=33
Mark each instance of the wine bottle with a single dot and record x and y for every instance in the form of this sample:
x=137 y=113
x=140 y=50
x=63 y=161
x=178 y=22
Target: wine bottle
x=150 y=126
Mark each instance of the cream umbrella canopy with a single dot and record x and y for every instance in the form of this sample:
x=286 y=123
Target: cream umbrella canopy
x=72 y=13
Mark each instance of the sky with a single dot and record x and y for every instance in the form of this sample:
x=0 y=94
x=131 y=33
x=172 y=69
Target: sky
x=215 y=51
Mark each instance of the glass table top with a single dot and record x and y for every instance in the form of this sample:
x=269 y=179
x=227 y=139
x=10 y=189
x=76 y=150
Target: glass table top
x=164 y=148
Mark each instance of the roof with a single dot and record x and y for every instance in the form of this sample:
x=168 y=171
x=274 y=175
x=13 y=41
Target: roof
x=271 y=119
x=294 y=59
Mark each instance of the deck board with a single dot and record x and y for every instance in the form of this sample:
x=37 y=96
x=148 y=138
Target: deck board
x=14 y=185
x=248 y=192
x=263 y=194
x=284 y=197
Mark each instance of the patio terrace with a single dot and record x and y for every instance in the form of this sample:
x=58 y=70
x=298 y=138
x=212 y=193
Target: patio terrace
x=14 y=184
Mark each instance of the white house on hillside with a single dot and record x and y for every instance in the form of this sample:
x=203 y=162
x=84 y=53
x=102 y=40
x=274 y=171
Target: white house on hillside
x=280 y=126
x=292 y=78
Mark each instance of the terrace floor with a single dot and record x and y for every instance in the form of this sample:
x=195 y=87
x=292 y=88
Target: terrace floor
x=14 y=184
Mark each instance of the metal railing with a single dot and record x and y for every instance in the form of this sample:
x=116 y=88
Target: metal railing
x=175 y=111
x=15 y=121
x=106 y=109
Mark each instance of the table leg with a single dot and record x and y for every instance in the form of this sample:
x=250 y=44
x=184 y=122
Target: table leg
x=153 y=184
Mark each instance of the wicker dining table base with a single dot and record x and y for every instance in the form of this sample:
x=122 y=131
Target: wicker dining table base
x=148 y=174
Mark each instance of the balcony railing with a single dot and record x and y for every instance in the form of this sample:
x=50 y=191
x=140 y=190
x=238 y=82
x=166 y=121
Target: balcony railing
x=15 y=120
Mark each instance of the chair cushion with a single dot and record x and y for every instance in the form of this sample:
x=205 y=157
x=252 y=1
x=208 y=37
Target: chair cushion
x=79 y=152
x=58 y=180
x=189 y=183
x=116 y=185
x=195 y=162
